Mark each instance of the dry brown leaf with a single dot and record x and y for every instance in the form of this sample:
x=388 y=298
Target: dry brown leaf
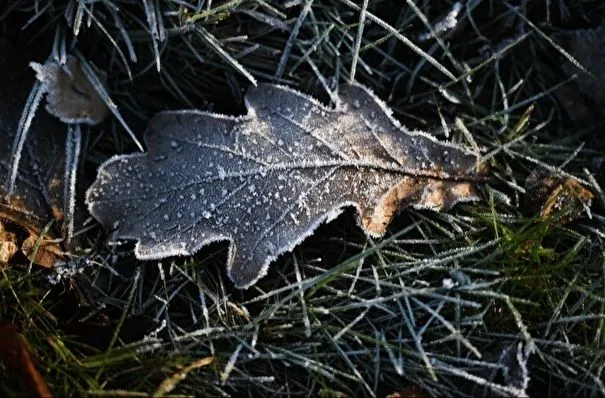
x=266 y=180
x=17 y=358
x=42 y=251
x=38 y=195
x=552 y=196
x=8 y=245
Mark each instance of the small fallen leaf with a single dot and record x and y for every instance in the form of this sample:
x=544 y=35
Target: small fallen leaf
x=17 y=358
x=548 y=195
x=37 y=199
x=267 y=180
x=70 y=95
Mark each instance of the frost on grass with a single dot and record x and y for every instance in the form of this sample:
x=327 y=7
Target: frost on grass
x=36 y=200
x=70 y=95
x=266 y=180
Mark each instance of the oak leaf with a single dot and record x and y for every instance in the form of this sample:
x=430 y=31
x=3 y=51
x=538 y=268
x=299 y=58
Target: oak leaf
x=265 y=181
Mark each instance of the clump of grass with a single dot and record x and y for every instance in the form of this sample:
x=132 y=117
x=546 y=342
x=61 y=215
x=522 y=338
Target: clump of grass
x=487 y=299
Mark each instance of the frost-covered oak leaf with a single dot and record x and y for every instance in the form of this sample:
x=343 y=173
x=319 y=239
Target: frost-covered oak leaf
x=265 y=181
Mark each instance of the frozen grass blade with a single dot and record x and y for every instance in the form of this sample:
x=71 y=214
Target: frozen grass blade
x=306 y=321
x=449 y=22
x=293 y=35
x=38 y=14
x=359 y=378
x=230 y=365
x=454 y=332
x=216 y=46
x=320 y=39
x=407 y=315
x=493 y=387
x=77 y=23
x=348 y=327
x=560 y=49
x=72 y=156
x=171 y=383
x=27 y=115
x=92 y=77
x=154 y=30
x=496 y=55
x=404 y=40
x=362 y=21
x=324 y=82
x=224 y=7
x=125 y=36
x=114 y=43
x=595 y=186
